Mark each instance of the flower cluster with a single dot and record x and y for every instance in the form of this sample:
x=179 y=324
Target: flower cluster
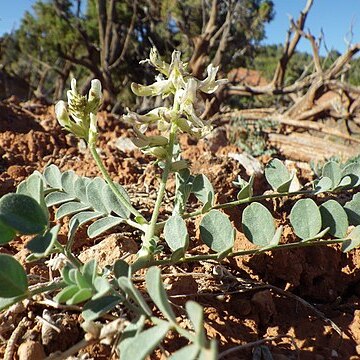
x=176 y=81
x=80 y=116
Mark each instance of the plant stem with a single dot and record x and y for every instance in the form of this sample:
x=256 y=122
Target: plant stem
x=108 y=179
x=247 y=200
x=298 y=244
x=49 y=287
x=164 y=177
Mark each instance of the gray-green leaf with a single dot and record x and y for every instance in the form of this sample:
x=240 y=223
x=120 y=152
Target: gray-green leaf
x=352 y=209
x=52 y=176
x=305 y=218
x=95 y=196
x=353 y=171
x=334 y=216
x=216 y=231
x=175 y=233
x=258 y=224
x=102 y=225
x=157 y=293
x=203 y=189
x=332 y=171
x=41 y=245
x=112 y=202
x=22 y=213
x=145 y=342
x=13 y=280
x=277 y=174
x=354 y=240
x=70 y=208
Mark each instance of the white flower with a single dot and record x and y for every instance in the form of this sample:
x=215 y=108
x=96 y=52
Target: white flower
x=62 y=114
x=209 y=84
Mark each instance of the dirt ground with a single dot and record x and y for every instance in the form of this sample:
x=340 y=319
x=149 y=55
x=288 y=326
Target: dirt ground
x=288 y=296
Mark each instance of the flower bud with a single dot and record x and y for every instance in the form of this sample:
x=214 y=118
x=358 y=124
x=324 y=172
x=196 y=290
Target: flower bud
x=159 y=152
x=159 y=64
x=62 y=114
x=160 y=87
x=157 y=140
x=95 y=90
x=179 y=165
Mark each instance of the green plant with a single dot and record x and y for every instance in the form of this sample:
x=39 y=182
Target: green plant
x=252 y=136
x=104 y=204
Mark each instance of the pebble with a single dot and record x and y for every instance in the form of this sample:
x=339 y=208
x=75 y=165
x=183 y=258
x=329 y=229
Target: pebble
x=31 y=350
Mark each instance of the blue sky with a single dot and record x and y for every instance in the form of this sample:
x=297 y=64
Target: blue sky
x=333 y=16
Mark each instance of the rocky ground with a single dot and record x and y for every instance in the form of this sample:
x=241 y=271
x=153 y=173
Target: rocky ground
x=294 y=297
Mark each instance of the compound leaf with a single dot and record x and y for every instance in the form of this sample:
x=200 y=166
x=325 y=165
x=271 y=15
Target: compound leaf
x=305 y=218
x=216 y=231
x=258 y=224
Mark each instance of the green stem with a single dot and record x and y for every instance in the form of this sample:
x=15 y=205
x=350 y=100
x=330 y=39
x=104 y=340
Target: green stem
x=245 y=252
x=150 y=232
x=115 y=190
x=247 y=200
x=49 y=287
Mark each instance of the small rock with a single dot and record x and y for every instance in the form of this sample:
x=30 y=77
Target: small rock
x=125 y=144
x=109 y=250
x=31 y=350
x=16 y=171
x=248 y=162
x=334 y=354
x=264 y=304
